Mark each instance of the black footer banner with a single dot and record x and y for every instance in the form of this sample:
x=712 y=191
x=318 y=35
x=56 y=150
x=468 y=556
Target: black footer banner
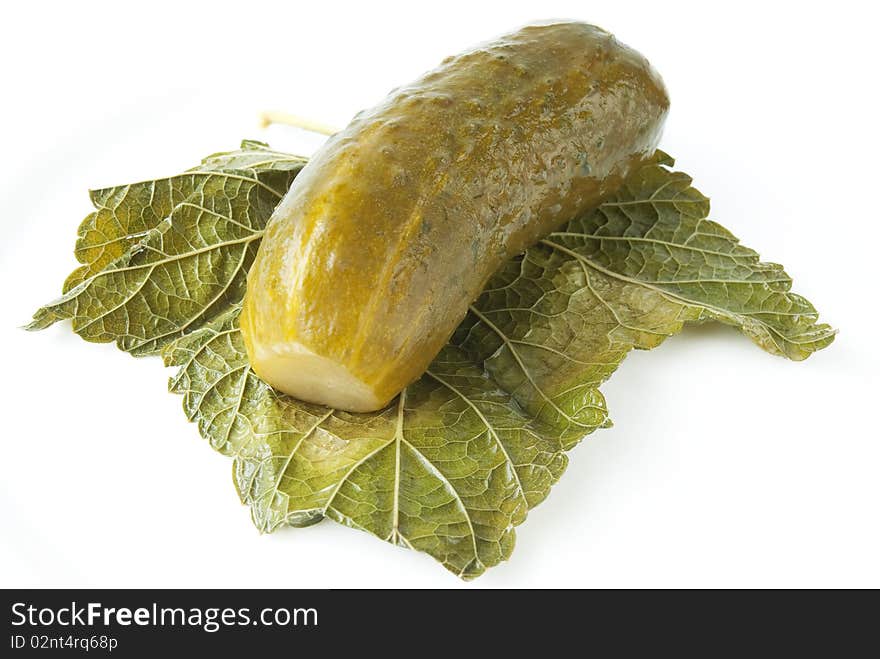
x=246 y=623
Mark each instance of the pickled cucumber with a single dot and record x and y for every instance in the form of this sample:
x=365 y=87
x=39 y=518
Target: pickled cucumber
x=395 y=225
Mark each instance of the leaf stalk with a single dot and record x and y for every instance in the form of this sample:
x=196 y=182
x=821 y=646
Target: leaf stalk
x=269 y=117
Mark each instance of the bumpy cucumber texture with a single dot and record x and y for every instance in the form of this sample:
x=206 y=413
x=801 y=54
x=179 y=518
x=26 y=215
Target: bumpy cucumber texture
x=393 y=228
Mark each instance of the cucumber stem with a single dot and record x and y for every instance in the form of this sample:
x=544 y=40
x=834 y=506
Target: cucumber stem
x=269 y=117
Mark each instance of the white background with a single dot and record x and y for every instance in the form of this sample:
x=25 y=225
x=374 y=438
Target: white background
x=726 y=466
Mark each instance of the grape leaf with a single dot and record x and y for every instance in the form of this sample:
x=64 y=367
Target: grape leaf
x=449 y=468
x=161 y=257
x=455 y=462
x=460 y=457
x=124 y=214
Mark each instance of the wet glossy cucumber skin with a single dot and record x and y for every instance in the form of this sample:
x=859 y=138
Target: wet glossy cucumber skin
x=395 y=225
